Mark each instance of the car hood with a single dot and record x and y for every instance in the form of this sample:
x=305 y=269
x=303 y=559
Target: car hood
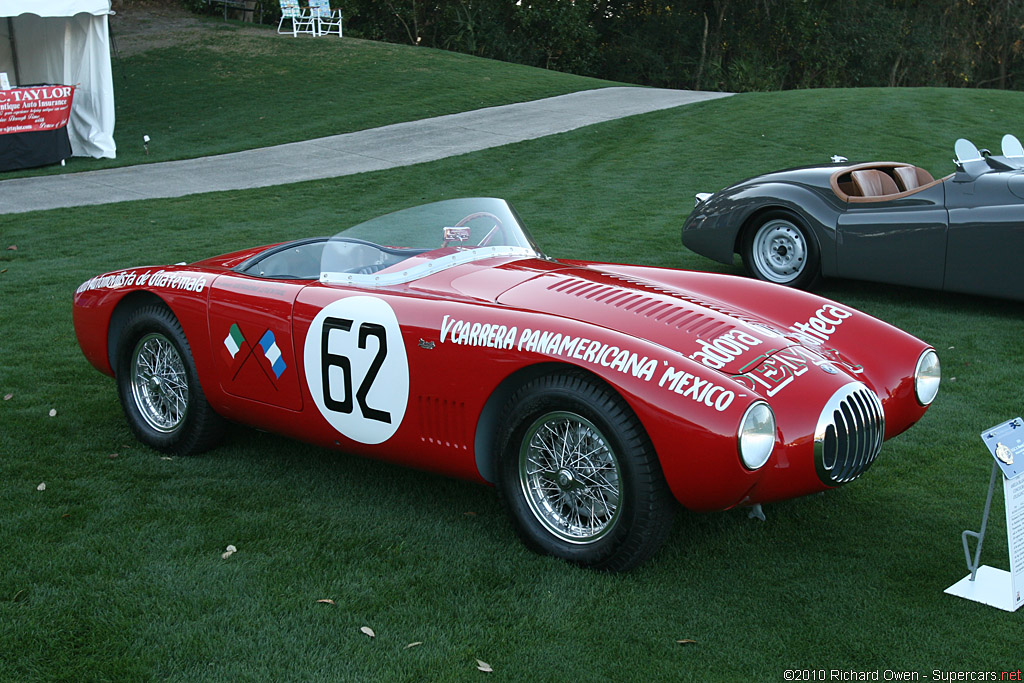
x=713 y=333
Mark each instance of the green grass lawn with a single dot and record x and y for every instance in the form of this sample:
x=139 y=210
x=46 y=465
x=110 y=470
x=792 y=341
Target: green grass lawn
x=242 y=87
x=114 y=571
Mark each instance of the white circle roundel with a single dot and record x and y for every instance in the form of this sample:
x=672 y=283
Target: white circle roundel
x=356 y=368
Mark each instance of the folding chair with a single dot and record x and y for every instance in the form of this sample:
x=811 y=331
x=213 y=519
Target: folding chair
x=302 y=22
x=326 y=18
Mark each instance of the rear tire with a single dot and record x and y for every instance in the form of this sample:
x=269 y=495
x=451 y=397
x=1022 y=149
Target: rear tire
x=159 y=388
x=579 y=476
x=779 y=249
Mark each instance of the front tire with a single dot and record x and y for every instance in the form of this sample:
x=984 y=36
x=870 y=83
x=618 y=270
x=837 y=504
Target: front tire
x=579 y=476
x=779 y=249
x=159 y=387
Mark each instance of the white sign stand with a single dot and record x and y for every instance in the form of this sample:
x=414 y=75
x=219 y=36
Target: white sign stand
x=987 y=585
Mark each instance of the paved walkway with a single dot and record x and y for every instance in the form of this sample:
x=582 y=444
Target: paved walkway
x=401 y=144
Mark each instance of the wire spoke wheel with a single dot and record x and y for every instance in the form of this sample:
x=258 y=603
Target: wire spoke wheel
x=578 y=474
x=570 y=476
x=159 y=383
x=159 y=388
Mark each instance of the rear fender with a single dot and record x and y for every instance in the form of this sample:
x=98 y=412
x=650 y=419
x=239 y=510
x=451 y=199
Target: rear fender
x=124 y=309
x=103 y=306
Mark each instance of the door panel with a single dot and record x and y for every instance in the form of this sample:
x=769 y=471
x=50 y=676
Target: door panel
x=251 y=332
x=378 y=380
x=985 y=242
x=901 y=242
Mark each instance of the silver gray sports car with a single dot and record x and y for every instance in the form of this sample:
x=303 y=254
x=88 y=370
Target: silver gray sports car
x=881 y=221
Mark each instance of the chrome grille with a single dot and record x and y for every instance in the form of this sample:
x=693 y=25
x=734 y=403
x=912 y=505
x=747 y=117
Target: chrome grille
x=849 y=434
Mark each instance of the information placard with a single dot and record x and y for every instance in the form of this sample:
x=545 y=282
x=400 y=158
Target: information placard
x=988 y=585
x=1006 y=444
x=1013 y=491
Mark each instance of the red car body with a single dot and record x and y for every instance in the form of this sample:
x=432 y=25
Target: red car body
x=688 y=352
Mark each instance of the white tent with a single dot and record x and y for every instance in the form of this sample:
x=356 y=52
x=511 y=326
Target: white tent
x=65 y=42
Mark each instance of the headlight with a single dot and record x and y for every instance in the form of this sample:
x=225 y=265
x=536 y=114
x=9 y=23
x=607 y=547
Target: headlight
x=757 y=435
x=926 y=377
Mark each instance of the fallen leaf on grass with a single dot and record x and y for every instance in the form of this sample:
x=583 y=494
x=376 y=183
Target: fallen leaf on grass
x=3 y=271
x=416 y=644
x=484 y=666
x=41 y=487
x=228 y=552
x=13 y=247
x=368 y=631
x=53 y=412
x=164 y=457
x=470 y=514
x=687 y=641
x=112 y=456
x=65 y=516
x=8 y=397
x=326 y=601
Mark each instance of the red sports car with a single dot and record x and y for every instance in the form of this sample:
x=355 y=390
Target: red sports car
x=440 y=337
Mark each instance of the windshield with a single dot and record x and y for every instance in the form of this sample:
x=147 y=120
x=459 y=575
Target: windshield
x=411 y=243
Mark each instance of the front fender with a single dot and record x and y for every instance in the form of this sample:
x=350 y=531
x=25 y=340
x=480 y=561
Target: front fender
x=690 y=413
x=716 y=227
x=873 y=351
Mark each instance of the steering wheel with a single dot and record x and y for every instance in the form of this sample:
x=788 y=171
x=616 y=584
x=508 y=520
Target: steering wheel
x=497 y=229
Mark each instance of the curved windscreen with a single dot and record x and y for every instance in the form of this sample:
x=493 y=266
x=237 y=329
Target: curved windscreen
x=408 y=244
x=1012 y=149
x=966 y=151
x=969 y=159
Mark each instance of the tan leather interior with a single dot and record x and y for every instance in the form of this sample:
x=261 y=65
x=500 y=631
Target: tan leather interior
x=847 y=190
x=873 y=183
x=911 y=177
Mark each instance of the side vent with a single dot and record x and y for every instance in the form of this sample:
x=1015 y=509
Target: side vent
x=443 y=422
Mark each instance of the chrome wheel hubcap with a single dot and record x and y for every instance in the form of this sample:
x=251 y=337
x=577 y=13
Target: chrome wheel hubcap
x=780 y=251
x=159 y=383
x=570 y=477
